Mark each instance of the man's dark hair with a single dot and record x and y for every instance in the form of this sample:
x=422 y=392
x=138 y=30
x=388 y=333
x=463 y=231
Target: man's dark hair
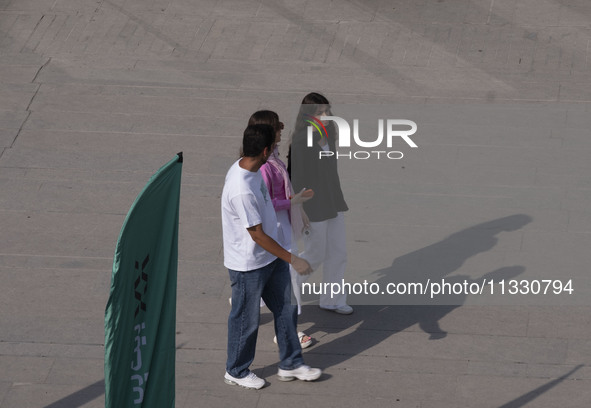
x=256 y=138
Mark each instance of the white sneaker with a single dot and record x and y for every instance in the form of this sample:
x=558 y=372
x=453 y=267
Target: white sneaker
x=304 y=373
x=250 y=381
x=344 y=310
x=303 y=343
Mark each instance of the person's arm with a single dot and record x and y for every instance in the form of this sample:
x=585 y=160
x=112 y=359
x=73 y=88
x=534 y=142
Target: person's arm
x=270 y=245
x=297 y=166
x=270 y=177
x=305 y=171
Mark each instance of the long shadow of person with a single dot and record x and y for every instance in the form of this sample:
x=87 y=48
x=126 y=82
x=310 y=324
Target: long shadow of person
x=381 y=316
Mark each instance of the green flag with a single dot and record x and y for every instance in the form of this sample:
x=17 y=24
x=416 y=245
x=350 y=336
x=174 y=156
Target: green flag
x=140 y=316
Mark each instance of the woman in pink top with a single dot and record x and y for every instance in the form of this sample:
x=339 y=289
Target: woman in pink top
x=288 y=206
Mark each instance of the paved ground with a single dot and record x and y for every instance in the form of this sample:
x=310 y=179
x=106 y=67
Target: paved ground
x=97 y=95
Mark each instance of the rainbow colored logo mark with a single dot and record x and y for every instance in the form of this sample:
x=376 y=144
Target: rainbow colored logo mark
x=317 y=124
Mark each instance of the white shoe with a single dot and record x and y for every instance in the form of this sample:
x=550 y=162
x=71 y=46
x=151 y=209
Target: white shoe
x=301 y=335
x=344 y=310
x=304 y=373
x=250 y=381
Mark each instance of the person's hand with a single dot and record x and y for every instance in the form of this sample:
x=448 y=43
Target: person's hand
x=302 y=196
x=300 y=265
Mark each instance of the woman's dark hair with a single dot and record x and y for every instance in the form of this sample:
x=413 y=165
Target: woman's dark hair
x=256 y=138
x=266 y=117
x=311 y=104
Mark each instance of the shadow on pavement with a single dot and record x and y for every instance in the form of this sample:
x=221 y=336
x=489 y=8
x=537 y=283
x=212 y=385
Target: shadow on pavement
x=532 y=395
x=81 y=397
x=374 y=323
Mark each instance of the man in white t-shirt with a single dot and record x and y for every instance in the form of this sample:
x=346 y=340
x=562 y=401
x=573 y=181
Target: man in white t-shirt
x=258 y=267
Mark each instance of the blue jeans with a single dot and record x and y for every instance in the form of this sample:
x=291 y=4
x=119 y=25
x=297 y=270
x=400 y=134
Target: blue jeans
x=273 y=284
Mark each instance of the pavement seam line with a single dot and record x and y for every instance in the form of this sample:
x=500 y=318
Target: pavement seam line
x=28 y=110
x=35 y=78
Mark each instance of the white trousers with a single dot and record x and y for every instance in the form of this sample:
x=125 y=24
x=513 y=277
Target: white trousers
x=326 y=245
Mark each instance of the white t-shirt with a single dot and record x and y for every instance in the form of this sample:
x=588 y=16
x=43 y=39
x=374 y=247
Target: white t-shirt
x=246 y=203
